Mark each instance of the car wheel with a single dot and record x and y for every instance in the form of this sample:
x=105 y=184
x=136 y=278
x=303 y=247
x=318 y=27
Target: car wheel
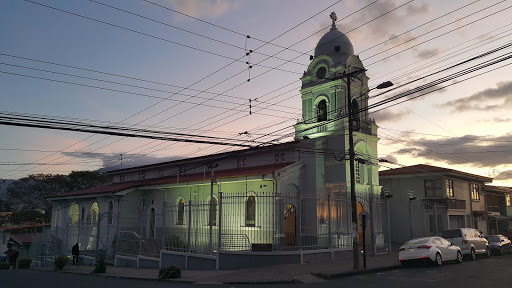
x=404 y=263
x=439 y=260
x=488 y=252
x=473 y=254
x=459 y=257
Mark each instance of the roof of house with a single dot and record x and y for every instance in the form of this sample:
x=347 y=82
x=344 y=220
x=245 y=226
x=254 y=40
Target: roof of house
x=219 y=174
x=24 y=227
x=497 y=189
x=428 y=169
x=25 y=238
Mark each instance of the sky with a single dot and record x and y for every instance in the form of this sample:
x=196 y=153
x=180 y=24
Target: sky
x=183 y=66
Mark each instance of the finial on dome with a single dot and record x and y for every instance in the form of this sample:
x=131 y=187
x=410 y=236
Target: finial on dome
x=334 y=18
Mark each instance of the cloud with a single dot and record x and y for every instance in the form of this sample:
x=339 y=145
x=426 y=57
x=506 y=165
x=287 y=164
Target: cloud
x=426 y=53
x=479 y=151
x=505 y=175
x=390 y=158
x=203 y=8
x=502 y=120
x=489 y=99
x=387 y=115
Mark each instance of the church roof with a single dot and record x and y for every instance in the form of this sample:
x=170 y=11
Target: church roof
x=335 y=44
x=219 y=174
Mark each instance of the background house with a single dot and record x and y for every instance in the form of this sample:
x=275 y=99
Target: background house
x=428 y=199
x=499 y=209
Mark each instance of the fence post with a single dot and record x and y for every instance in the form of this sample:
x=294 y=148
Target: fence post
x=329 y=217
x=189 y=224
x=299 y=212
x=435 y=218
x=219 y=242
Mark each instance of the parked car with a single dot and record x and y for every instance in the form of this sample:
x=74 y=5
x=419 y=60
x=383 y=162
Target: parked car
x=499 y=244
x=430 y=249
x=470 y=241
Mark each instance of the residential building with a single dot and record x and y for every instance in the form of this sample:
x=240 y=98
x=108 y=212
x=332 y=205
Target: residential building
x=428 y=199
x=499 y=209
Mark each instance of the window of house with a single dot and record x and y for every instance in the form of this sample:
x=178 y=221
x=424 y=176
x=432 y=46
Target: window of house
x=110 y=212
x=433 y=188
x=142 y=175
x=475 y=191
x=507 y=198
x=250 y=212
x=213 y=212
x=277 y=159
x=161 y=173
x=181 y=212
x=245 y=162
x=121 y=178
x=449 y=188
x=240 y=163
x=321 y=111
x=283 y=157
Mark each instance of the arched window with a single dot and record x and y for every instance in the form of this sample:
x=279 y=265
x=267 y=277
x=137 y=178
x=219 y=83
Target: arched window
x=250 y=212
x=213 y=212
x=152 y=222
x=181 y=212
x=93 y=213
x=277 y=158
x=110 y=212
x=74 y=210
x=355 y=115
x=321 y=111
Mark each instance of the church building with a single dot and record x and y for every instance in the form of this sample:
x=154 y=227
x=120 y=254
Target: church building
x=281 y=203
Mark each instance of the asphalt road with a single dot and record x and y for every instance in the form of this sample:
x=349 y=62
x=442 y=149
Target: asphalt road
x=494 y=272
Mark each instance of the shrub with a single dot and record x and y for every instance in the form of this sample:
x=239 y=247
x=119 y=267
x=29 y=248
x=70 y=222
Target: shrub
x=101 y=267
x=24 y=263
x=60 y=262
x=170 y=272
x=4 y=266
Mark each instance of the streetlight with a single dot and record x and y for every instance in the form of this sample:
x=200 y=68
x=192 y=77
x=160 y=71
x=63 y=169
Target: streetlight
x=353 y=200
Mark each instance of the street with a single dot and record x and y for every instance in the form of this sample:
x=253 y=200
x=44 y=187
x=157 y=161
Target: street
x=496 y=271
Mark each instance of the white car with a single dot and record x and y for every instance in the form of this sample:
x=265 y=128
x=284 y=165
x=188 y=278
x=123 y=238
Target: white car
x=430 y=249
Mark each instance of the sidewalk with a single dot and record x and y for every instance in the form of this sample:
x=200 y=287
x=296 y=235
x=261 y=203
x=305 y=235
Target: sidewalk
x=289 y=273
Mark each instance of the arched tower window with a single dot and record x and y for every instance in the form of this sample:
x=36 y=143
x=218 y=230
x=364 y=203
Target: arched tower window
x=321 y=112
x=250 y=212
x=181 y=212
x=74 y=210
x=356 y=115
x=110 y=212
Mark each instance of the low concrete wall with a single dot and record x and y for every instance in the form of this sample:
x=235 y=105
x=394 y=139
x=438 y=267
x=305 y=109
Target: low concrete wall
x=187 y=260
x=254 y=259
x=199 y=262
x=173 y=258
x=125 y=261
x=149 y=262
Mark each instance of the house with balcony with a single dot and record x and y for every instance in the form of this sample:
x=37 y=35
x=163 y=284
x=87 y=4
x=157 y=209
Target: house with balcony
x=428 y=199
x=499 y=209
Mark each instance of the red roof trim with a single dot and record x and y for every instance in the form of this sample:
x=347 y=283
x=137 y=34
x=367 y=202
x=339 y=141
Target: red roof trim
x=219 y=174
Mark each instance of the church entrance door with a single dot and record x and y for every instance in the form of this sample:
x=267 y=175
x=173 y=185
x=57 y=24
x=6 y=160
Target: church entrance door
x=289 y=226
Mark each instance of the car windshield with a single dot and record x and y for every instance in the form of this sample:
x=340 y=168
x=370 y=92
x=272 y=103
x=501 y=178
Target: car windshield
x=416 y=241
x=493 y=238
x=454 y=233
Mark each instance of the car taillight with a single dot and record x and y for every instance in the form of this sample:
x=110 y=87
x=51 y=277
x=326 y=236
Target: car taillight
x=464 y=241
x=401 y=249
x=424 y=247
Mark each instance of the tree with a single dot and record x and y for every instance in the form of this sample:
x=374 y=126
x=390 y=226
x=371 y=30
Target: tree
x=30 y=193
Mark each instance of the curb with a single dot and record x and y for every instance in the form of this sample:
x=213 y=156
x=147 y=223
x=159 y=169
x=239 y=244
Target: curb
x=356 y=272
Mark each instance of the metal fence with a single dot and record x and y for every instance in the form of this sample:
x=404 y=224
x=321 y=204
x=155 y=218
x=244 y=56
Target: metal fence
x=246 y=221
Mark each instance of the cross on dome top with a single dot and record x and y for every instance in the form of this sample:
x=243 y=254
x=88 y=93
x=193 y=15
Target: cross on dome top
x=334 y=18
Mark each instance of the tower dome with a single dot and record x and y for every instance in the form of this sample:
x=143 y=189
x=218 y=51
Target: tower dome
x=335 y=44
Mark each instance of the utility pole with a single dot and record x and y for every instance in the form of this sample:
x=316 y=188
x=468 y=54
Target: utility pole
x=352 y=154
